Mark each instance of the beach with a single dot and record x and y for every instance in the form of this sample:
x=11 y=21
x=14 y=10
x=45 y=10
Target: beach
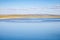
x=28 y=16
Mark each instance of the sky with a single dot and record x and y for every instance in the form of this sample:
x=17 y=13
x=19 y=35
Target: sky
x=30 y=7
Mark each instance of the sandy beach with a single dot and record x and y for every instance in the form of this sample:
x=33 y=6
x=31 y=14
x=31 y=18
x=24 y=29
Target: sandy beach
x=28 y=16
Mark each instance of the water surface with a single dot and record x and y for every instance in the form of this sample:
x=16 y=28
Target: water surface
x=30 y=29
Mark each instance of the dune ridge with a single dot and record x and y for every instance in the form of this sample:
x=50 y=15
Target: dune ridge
x=29 y=16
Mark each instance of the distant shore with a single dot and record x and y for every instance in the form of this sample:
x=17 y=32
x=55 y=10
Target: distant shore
x=28 y=16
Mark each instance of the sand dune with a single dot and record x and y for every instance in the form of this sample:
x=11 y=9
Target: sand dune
x=29 y=16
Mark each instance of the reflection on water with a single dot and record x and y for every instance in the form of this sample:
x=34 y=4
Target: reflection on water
x=30 y=29
x=31 y=20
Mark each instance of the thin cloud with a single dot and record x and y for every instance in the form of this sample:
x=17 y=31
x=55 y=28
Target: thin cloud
x=33 y=10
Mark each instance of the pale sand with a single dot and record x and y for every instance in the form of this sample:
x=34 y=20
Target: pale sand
x=28 y=16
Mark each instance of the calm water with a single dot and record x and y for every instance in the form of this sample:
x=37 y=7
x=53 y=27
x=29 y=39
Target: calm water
x=30 y=29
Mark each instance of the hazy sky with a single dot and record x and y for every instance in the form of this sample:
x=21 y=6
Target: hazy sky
x=29 y=6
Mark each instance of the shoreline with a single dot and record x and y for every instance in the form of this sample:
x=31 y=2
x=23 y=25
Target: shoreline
x=28 y=16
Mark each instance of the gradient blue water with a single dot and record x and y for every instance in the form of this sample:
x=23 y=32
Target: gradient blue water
x=30 y=29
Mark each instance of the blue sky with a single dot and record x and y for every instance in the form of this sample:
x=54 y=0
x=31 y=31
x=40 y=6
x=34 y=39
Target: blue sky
x=30 y=6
